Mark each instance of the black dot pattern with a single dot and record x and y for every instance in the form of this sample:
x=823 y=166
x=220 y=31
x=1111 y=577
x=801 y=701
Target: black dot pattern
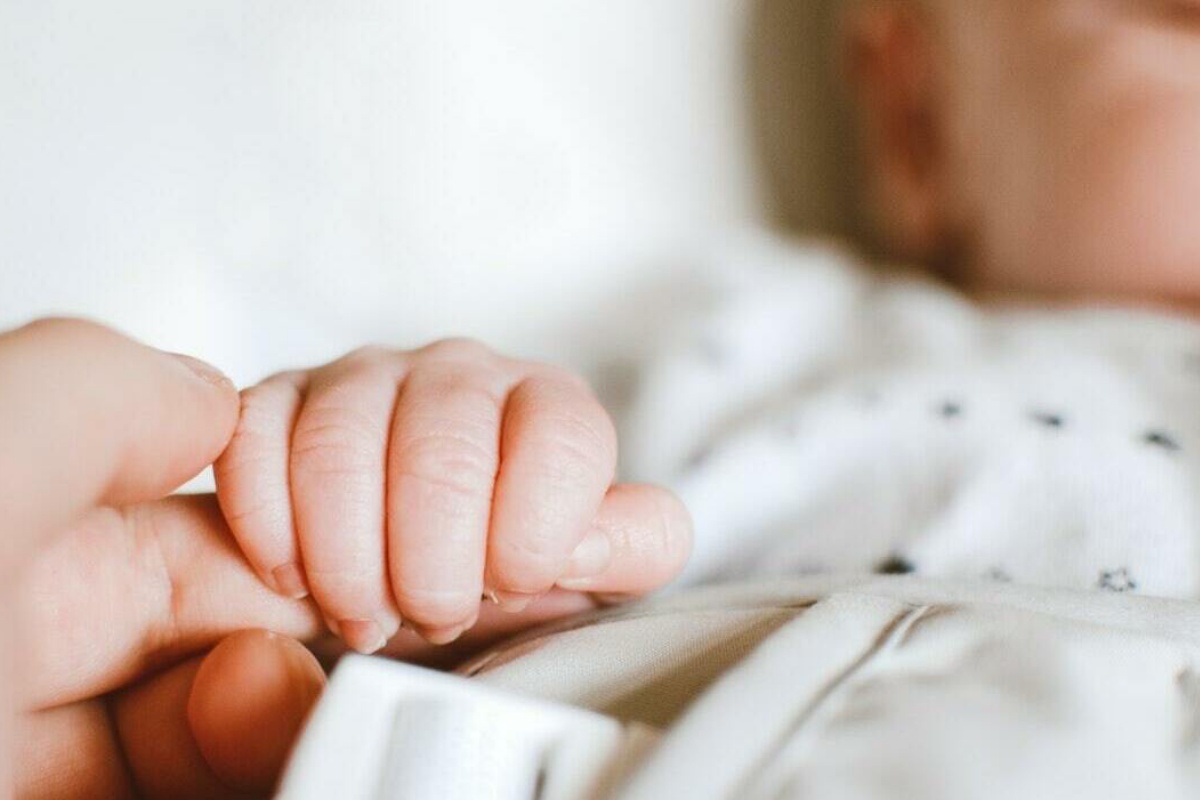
x=1119 y=581
x=896 y=565
x=1162 y=440
x=998 y=575
x=1048 y=419
x=699 y=459
x=951 y=409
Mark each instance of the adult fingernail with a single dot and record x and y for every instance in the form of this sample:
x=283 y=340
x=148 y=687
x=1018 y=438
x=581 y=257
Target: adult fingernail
x=290 y=582
x=590 y=560
x=362 y=635
x=203 y=370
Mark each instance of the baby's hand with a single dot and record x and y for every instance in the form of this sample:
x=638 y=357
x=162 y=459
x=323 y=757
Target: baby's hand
x=408 y=485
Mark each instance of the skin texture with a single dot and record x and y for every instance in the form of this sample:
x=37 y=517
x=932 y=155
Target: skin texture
x=138 y=658
x=405 y=486
x=1042 y=149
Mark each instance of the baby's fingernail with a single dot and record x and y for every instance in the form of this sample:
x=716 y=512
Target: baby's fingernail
x=512 y=602
x=204 y=371
x=605 y=600
x=363 y=635
x=443 y=636
x=289 y=581
x=590 y=560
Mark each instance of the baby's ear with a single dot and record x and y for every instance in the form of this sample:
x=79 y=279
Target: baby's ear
x=894 y=68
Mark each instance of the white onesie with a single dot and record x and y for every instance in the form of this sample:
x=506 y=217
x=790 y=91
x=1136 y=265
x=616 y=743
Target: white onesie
x=828 y=417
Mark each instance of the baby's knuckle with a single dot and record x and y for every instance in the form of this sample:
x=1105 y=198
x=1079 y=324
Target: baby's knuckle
x=336 y=442
x=527 y=564
x=458 y=465
x=435 y=606
x=458 y=349
x=259 y=417
x=247 y=456
x=368 y=356
x=343 y=422
x=577 y=449
x=475 y=388
x=330 y=458
x=253 y=516
x=342 y=592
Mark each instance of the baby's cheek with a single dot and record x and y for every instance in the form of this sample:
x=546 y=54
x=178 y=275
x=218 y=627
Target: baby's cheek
x=1115 y=206
x=1135 y=230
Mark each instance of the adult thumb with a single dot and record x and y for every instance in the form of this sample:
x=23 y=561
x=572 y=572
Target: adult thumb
x=90 y=417
x=218 y=726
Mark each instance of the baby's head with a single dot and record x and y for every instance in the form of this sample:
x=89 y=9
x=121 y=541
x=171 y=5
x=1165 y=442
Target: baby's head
x=1044 y=147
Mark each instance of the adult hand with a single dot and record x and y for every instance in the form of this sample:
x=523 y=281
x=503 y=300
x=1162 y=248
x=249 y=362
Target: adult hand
x=128 y=673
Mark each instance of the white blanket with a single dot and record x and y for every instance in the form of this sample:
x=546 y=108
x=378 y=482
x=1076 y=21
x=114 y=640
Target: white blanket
x=887 y=689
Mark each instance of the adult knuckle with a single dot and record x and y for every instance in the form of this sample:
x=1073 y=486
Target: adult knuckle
x=71 y=326
x=159 y=584
x=74 y=333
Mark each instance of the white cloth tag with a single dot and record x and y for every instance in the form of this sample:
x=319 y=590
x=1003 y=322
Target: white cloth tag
x=391 y=731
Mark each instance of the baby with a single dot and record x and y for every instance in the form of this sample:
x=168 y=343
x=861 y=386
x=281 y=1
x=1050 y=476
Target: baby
x=1043 y=156
x=1037 y=149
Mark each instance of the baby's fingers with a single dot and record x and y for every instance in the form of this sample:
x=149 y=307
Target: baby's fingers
x=338 y=458
x=639 y=542
x=252 y=483
x=557 y=460
x=445 y=451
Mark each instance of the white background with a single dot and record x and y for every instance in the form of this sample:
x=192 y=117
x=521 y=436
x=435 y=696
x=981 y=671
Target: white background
x=268 y=183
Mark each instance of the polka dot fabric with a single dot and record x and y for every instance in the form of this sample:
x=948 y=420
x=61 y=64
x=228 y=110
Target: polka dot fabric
x=829 y=417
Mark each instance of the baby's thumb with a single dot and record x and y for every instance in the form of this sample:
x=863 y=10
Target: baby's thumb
x=639 y=542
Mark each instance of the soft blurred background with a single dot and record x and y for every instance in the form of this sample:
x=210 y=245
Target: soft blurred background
x=268 y=183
